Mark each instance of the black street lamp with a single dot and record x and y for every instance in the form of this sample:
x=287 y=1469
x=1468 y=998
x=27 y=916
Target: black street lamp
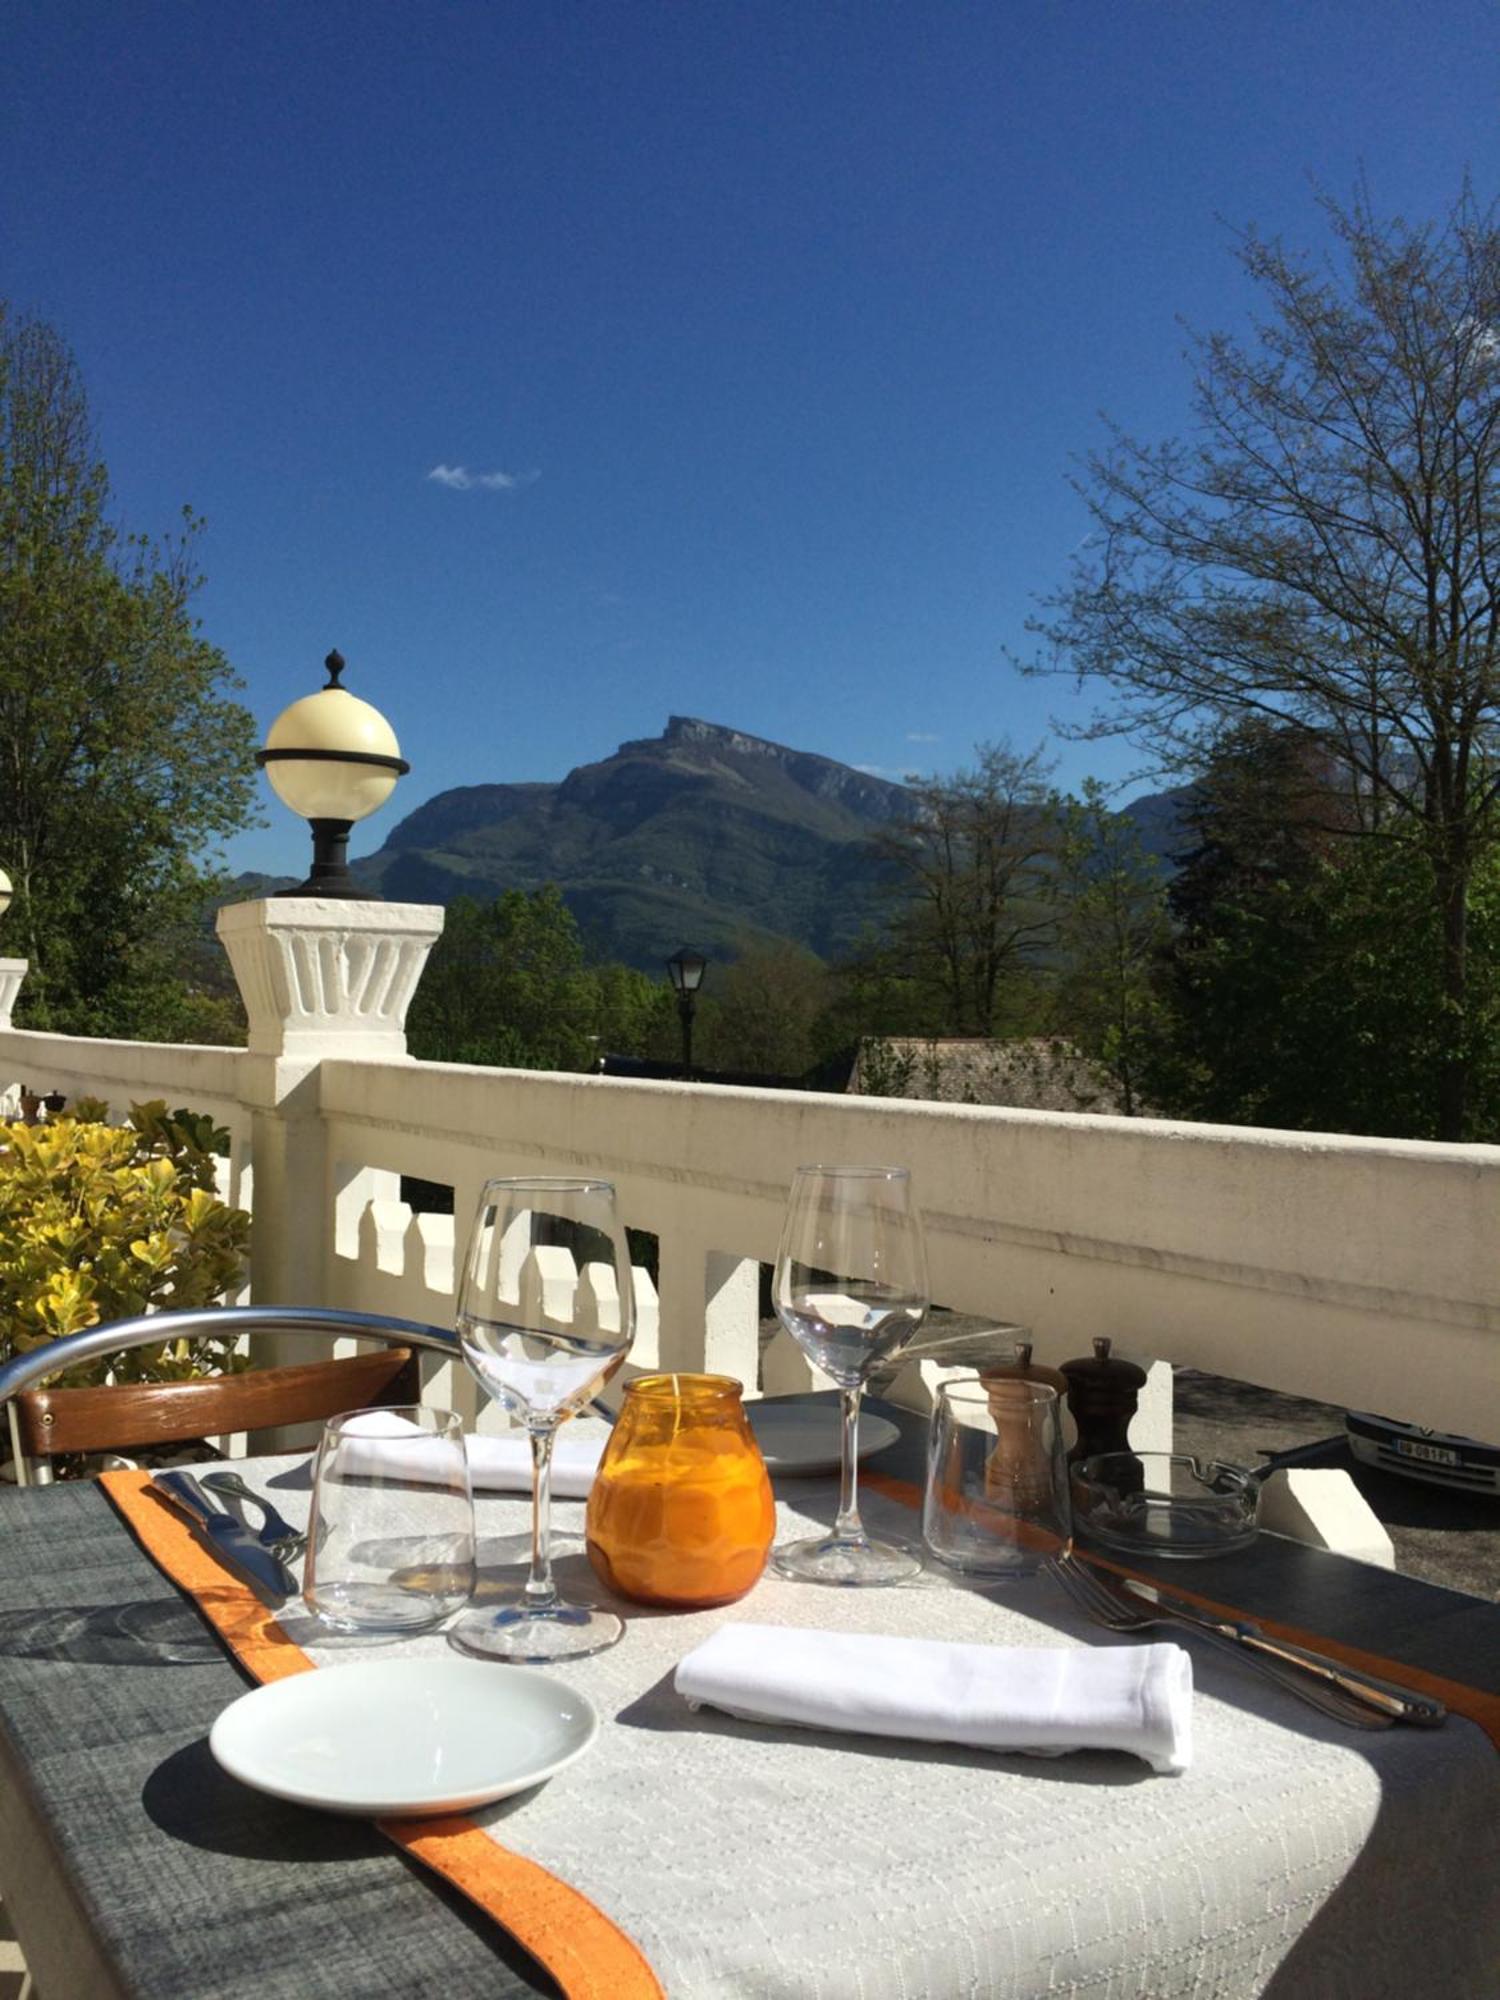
x=685 y=969
x=332 y=758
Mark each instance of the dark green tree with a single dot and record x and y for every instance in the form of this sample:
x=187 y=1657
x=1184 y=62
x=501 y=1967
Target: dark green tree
x=507 y=985
x=123 y=757
x=1321 y=552
x=768 y=1004
x=1302 y=986
x=1112 y=926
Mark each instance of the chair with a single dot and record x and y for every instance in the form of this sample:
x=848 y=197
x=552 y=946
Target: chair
x=47 y=1422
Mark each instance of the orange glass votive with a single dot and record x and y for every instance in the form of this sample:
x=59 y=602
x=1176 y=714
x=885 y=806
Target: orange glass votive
x=681 y=1512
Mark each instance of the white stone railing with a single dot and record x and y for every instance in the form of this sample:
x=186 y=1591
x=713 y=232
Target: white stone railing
x=1360 y=1271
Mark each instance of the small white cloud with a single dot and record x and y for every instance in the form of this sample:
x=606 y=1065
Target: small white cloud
x=460 y=480
x=873 y=770
x=922 y=736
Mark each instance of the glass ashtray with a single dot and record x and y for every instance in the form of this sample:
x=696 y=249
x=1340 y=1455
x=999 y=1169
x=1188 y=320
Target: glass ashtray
x=1165 y=1503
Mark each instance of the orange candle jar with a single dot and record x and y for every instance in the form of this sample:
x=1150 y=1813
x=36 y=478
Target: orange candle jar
x=681 y=1510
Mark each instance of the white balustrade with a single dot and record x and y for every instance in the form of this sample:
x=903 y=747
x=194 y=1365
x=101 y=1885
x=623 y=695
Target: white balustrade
x=1359 y=1271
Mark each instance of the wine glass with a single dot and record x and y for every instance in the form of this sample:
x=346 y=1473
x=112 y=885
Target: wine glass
x=545 y=1316
x=850 y=1288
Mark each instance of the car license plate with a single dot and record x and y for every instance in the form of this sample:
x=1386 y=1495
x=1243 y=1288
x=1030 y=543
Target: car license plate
x=1430 y=1454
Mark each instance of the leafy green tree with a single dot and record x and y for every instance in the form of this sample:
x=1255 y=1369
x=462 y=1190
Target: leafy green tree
x=768 y=1004
x=1302 y=987
x=970 y=867
x=507 y=986
x=122 y=756
x=637 y=1015
x=1112 y=926
x=1321 y=552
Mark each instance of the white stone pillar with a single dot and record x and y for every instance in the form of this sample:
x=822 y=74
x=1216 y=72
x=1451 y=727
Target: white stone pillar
x=12 y=972
x=323 y=977
x=320 y=978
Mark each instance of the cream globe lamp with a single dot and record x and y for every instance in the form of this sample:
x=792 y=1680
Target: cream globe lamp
x=6 y=892
x=334 y=759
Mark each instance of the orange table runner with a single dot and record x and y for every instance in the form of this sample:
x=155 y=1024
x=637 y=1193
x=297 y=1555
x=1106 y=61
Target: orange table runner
x=588 y=1955
x=1458 y=1696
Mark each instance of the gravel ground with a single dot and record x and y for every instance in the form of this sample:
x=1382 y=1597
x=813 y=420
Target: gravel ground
x=1440 y=1536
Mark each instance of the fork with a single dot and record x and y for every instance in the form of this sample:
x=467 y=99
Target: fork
x=278 y=1535
x=1100 y=1601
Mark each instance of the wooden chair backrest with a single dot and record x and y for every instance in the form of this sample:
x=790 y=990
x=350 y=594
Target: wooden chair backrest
x=53 y=1421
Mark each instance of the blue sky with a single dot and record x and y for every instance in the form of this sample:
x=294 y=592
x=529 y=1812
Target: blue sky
x=765 y=334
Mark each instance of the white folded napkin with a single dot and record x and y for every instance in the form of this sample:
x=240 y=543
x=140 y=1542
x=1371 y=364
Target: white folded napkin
x=1042 y=1699
x=502 y=1464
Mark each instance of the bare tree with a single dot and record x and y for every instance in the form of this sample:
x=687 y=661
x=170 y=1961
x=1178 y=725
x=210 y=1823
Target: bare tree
x=1324 y=550
x=969 y=864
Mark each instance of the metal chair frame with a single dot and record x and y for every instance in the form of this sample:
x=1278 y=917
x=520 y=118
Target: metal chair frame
x=25 y=1371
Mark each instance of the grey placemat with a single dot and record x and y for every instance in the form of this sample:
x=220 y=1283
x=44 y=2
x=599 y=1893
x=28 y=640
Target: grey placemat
x=142 y=1862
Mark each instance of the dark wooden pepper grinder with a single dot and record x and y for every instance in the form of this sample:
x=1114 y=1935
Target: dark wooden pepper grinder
x=1103 y=1393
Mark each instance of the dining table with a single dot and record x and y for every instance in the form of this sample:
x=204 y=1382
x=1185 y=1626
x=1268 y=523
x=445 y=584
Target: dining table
x=693 y=1853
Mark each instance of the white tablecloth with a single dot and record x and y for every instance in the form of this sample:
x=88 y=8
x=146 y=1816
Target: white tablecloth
x=1296 y=1857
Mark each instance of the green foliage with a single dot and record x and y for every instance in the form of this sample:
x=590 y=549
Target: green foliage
x=1112 y=926
x=870 y=995
x=1303 y=988
x=102 y=1222
x=123 y=755
x=507 y=986
x=886 y=1070
x=767 y=1006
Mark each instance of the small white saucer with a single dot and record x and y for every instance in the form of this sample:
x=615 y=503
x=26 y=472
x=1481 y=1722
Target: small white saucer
x=414 y=1736
x=803 y=1438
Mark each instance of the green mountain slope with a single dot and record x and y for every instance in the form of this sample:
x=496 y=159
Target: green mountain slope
x=702 y=835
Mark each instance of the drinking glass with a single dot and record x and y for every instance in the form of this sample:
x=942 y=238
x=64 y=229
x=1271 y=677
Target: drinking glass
x=545 y=1316
x=390 y=1546
x=850 y=1288
x=996 y=1503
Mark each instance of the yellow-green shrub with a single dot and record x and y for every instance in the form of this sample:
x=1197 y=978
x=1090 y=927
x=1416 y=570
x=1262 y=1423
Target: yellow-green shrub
x=101 y=1222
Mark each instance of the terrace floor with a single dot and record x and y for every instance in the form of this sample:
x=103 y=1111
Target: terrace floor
x=1441 y=1537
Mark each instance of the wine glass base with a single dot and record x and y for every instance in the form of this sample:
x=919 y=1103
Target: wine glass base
x=535 y=1638
x=828 y=1559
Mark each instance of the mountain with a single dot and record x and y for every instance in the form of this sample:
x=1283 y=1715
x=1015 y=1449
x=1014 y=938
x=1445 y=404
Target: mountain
x=1160 y=821
x=702 y=835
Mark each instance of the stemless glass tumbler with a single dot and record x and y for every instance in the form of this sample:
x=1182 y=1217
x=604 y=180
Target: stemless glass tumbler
x=850 y=1287
x=996 y=1503
x=545 y=1316
x=391 y=1541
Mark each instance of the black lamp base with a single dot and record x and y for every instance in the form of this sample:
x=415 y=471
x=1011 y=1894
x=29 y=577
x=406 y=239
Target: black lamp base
x=330 y=877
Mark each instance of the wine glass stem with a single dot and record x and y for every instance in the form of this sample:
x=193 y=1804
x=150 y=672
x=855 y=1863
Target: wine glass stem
x=541 y=1591
x=848 y=1527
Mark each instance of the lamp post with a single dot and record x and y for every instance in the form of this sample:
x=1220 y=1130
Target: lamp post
x=334 y=759
x=685 y=969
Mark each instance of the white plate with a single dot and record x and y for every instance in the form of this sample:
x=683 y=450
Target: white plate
x=804 y=1438
x=415 y=1736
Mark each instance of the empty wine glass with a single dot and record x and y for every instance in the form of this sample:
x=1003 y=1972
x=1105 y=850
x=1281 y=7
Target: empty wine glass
x=545 y=1316
x=850 y=1288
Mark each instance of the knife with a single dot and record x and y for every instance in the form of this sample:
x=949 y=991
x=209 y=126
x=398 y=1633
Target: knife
x=1398 y=1703
x=232 y=1542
